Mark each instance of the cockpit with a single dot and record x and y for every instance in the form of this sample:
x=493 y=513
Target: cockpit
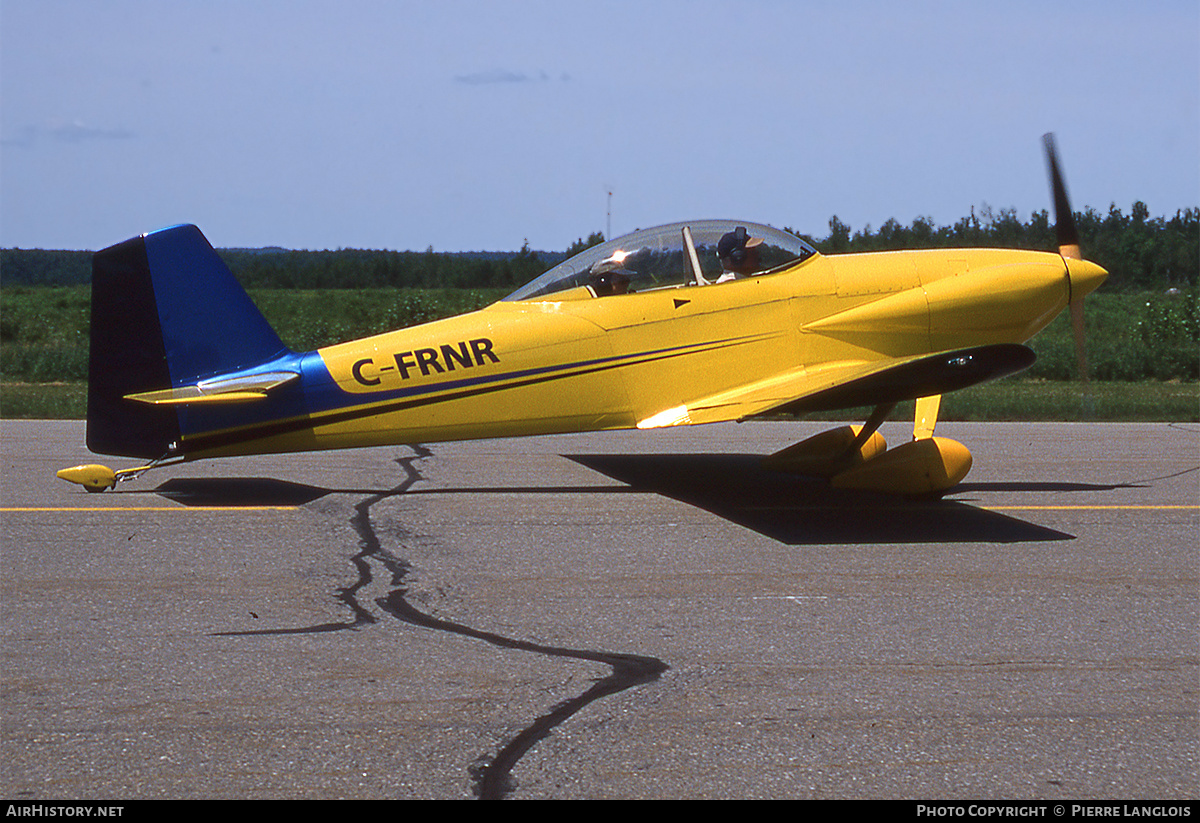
x=697 y=253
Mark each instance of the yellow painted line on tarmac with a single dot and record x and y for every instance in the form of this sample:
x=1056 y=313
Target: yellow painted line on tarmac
x=183 y=508
x=149 y=508
x=1089 y=508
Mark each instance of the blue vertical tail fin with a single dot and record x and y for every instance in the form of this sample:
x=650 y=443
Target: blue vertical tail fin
x=166 y=312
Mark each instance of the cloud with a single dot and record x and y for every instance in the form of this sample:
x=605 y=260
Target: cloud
x=78 y=132
x=75 y=132
x=491 y=76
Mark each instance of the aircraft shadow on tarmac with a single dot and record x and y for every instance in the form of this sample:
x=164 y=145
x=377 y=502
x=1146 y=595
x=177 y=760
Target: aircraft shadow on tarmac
x=799 y=510
x=791 y=509
x=239 y=491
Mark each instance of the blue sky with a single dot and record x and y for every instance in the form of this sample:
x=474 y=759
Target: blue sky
x=463 y=125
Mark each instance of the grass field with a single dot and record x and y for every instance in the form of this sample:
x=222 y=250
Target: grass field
x=1144 y=351
x=1012 y=399
x=1015 y=399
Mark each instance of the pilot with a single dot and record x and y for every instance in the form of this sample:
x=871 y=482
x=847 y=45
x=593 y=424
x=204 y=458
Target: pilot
x=738 y=252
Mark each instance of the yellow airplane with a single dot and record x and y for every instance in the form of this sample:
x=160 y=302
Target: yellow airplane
x=689 y=323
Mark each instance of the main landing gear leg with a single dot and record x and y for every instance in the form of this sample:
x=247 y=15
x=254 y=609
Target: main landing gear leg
x=834 y=451
x=855 y=457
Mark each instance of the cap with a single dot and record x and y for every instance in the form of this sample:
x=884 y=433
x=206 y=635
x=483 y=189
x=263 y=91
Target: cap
x=736 y=240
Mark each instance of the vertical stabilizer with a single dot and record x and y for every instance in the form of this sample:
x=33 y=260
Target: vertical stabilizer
x=166 y=312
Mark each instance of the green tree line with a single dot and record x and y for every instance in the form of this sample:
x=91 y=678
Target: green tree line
x=1141 y=253
x=358 y=269
x=282 y=269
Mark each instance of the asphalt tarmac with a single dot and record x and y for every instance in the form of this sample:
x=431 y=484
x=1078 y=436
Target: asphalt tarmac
x=622 y=615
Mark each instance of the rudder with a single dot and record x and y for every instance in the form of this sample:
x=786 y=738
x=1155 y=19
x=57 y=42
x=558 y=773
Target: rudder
x=166 y=312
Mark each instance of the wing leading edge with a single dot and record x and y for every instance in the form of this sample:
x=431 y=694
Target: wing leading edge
x=850 y=384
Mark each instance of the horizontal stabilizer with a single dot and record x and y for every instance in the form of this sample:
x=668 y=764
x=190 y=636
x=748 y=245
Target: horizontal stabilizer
x=232 y=390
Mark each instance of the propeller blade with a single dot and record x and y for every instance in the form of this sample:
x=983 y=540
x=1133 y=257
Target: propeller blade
x=1064 y=219
x=1082 y=276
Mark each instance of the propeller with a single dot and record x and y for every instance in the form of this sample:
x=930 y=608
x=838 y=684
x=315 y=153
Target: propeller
x=1082 y=275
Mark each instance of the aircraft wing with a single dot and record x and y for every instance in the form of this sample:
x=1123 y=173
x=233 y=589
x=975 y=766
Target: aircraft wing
x=849 y=384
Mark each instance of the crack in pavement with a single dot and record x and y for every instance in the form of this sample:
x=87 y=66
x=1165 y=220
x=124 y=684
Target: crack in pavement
x=491 y=778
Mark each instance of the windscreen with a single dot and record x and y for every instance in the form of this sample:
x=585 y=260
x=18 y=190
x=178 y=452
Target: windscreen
x=700 y=252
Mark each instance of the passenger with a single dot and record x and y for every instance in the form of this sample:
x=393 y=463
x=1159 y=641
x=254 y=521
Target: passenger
x=738 y=252
x=609 y=276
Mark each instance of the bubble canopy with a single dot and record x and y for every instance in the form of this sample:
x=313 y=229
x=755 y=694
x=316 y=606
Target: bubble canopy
x=699 y=252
